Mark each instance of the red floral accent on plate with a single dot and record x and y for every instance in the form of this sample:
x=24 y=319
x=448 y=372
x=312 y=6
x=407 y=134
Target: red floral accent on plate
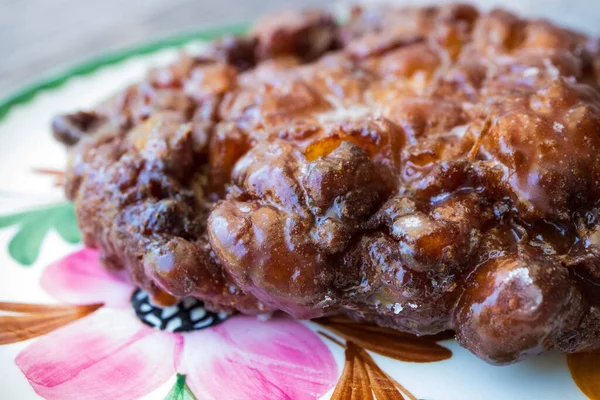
x=276 y=359
x=79 y=279
x=112 y=355
x=108 y=355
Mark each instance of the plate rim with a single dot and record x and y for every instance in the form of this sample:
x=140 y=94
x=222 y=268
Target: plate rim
x=50 y=81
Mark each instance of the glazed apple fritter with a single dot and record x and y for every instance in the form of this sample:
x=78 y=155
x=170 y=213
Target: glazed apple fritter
x=424 y=169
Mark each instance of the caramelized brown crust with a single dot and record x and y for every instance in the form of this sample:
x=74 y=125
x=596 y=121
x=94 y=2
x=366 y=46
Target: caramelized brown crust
x=425 y=168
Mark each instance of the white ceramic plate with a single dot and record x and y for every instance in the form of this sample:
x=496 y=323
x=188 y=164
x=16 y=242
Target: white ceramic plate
x=91 y=345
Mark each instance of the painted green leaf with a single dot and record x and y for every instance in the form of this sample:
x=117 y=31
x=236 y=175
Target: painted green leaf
x=33 y=226
x=65 y=224
x=25 y=245
x=180 y=391
x=12 y=219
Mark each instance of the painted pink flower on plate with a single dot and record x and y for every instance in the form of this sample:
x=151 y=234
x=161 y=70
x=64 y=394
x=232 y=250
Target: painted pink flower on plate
x=112 y=355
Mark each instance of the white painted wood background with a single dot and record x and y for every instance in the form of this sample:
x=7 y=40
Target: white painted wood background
x=38 y=37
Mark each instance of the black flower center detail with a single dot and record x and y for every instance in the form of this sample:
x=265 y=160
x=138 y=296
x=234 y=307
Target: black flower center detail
x=187 y=315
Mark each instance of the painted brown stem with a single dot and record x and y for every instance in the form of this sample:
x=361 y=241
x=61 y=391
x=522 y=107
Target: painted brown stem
x=26 y=321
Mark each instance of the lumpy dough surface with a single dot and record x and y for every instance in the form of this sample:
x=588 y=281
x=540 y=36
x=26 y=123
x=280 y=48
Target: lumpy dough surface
x=425 y=169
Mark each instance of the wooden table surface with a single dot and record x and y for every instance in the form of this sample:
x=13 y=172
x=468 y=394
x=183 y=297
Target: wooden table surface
x=38 y=37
